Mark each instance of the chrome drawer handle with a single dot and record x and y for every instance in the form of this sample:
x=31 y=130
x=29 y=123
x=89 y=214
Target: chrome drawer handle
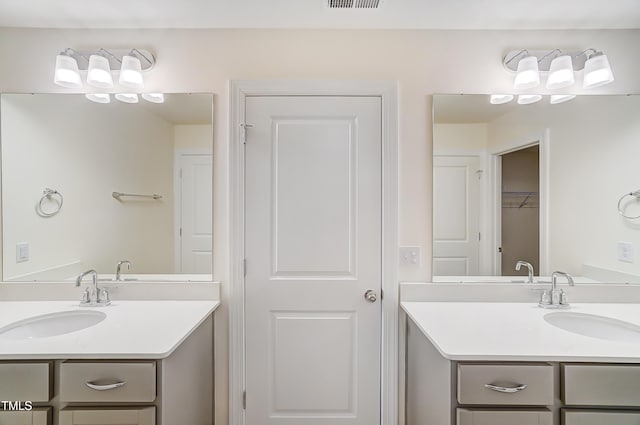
x=105 y=387
x=509 y=390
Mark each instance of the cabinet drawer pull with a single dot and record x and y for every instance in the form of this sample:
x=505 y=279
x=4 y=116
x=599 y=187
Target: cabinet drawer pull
x=105 y=387
x=509 y=390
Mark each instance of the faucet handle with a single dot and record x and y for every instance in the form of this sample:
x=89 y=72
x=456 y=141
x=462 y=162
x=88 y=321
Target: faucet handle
x=563 y=298
x=545 y=298
x=86 y=296
x=103 y=297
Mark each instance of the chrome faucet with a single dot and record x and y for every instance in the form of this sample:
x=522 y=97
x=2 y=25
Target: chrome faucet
x=100 y=295
x=521 y=263
x=556 y=298
x=120 y=263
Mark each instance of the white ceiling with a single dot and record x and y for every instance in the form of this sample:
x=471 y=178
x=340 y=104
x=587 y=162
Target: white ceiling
x=396 y=14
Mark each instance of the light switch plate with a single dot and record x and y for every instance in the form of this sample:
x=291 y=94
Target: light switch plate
x=410 y=256
x=22 y=252
x=625 y=252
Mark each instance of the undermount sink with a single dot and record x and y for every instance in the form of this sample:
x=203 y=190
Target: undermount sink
x=595 y=326
x=52 y=324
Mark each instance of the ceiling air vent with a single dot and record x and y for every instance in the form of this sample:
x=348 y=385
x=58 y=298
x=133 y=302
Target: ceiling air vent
x=354 y=4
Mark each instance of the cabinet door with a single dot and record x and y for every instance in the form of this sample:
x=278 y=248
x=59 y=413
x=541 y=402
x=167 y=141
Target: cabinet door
x=600 y=417
x=503 y=417
x=38 y=416
x=107 y=416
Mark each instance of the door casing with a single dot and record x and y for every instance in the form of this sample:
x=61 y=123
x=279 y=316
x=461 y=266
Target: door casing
x=387 y=91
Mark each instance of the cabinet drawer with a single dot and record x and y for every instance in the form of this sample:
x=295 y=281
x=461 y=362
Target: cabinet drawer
x=29 y=381
x=108 y=382
x=601 y=385
x=37 y=416
x=513 y=384
x=503 y=417
x=107 y=416
x=599 y=417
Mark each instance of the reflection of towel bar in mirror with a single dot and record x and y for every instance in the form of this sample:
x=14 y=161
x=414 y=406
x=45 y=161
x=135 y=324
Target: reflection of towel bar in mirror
x=621 y=207
x=119 y=195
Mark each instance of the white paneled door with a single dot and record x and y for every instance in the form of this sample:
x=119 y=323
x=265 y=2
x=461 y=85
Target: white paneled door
x=456 y=215
x=313 y=250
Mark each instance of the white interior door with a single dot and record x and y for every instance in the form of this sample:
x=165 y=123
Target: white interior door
x=312 y=249
x=195 y=200
x=456 y=215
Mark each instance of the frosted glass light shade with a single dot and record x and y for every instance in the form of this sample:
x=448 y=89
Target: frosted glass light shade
x=560 y=98
x=526 y=99
x=527 y=75
x=131 y=73
x=127 y=97
x=98 y=97
x=67 y=73
x=560 y=73
x=99 y=72
x=499 y=99
x=597 y=71
x=153 y=97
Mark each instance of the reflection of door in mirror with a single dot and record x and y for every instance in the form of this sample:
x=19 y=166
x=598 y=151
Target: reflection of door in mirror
x=520 y=209
x=456 y=212
x=193 y=250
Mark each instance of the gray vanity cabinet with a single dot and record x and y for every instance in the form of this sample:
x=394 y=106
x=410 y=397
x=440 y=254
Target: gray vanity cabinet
x=445 y=392
x=175 y=390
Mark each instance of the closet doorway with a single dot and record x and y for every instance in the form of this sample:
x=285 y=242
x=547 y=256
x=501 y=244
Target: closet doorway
x=518 y=211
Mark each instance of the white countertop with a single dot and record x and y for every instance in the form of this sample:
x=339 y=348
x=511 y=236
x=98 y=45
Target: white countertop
x=517 y=331
x=131 y=330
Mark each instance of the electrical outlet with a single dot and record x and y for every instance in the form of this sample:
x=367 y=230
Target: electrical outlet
x=410 y=256
x=22 y=252
x=625 y=252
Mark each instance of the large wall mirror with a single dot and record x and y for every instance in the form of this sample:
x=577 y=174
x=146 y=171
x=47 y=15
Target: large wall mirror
x=87 y=185
x=539 y=183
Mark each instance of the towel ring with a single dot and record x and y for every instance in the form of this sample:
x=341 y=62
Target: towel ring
x=635 y=194
x=49 y=195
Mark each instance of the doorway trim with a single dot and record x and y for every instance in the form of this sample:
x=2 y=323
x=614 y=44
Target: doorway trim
x=388 y=93
x=541 y=139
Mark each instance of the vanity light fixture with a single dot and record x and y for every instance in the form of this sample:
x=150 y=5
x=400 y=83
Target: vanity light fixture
x=153 y=97
x=560 y=98
x=597 y=71
x=99 y=65
x=559 y=67
x=67 y=73
x=499 y=99
x=98 y=97
x=127 y=97
x=527 y=99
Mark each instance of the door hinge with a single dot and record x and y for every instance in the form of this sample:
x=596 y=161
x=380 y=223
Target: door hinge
x=381 y=294
x=499 y=249
x=244 y=127
x=479 y=236
x=181 y=232
x=244 y=400
x=244 y=266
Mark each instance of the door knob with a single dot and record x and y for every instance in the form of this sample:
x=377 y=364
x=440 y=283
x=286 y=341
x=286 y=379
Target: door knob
x=371 y=296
